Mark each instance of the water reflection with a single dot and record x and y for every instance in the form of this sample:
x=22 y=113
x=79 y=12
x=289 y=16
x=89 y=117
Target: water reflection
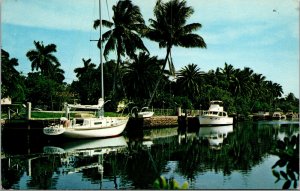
x=135 y=162
x=84 y=156
x=215 y=135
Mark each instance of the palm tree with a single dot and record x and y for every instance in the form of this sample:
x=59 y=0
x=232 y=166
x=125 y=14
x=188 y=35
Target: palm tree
x=57 y=74
x=272 y=92
x=227 y=75
x=245 y=81
x=87 y=67
x=42 y=58
x=140 y=75
x=277 y=90
x=87 y=82
x=169 y=29
x=188 y=80
x=124 y=36
x=240 y=82
x=258 y=85
x=12 y=83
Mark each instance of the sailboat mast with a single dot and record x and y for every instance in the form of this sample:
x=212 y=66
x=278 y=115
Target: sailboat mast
x=101 y=63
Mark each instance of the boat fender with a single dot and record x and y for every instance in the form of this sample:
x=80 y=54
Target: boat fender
x=66 y=123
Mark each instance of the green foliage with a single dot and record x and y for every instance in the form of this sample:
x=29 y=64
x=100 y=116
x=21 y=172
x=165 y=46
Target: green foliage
x=42 y=91
x=12 y=83
x=143 y=78
x=184 y=102
x=172 y=184
x=123 y=36
x=140 y=75
x=88 y=84
x=172 y=31
x=288 y=152
x=189 y=81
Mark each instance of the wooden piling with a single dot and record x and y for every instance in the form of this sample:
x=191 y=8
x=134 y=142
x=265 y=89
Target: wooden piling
x=28 y=110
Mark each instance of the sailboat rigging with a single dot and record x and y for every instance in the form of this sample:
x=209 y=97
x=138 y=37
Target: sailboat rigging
x=89 y=127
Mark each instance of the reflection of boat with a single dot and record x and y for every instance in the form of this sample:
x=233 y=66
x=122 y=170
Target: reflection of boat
x=80 y=155
x=215 y=135
x=215 y=115
x=89 y=127
x=105 y=145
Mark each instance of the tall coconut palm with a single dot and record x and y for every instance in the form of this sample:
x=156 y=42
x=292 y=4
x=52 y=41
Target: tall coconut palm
x=123 y=36
x=169 y=29
x=42 y=58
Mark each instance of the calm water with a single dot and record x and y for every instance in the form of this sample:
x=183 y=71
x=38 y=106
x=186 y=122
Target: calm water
x=207 y=158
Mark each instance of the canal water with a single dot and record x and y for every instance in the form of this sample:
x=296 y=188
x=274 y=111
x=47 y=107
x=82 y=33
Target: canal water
x=225 y=157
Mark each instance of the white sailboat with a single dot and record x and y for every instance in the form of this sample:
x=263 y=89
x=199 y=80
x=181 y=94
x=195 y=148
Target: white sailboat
x=89 y=127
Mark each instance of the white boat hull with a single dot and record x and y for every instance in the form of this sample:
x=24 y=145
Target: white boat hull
x=215 y=120
x=95 y=133
x=87 y=131
x=145 y=114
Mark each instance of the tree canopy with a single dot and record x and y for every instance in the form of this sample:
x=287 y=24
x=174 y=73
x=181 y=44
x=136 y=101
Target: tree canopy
x=143 y=77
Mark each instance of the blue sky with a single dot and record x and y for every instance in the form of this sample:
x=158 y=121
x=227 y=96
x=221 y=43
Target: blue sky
x=260 y=34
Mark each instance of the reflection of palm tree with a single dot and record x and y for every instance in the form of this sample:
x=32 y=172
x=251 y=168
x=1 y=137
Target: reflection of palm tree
x=124 y=38
x=42 y=172
x=170 y=29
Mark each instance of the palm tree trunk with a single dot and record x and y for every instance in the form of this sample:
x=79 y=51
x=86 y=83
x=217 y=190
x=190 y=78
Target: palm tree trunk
x=160 y=77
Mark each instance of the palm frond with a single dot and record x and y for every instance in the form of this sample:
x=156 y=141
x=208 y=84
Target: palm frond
x=109 y=46
x=190 y=41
